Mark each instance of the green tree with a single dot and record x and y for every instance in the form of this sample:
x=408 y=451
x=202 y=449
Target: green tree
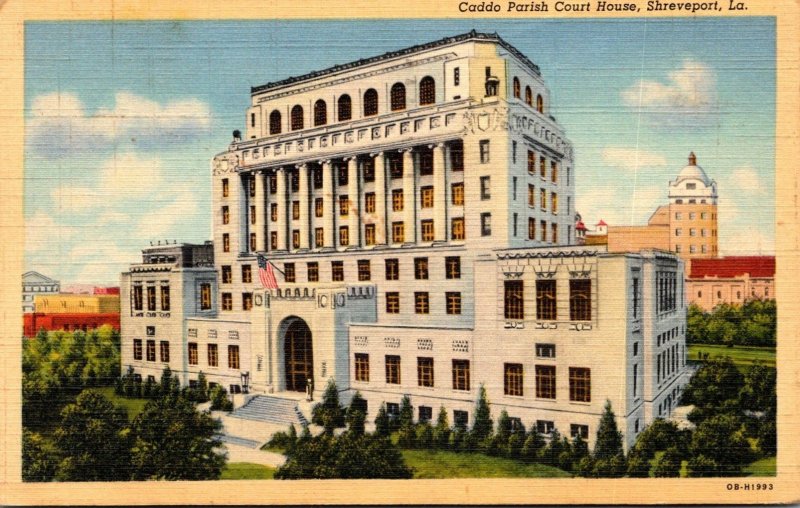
x=715 y=386
x=668 y=465
x=658 y=436
x=202 y=388
x=406 y=433
x=609 y=439
x=220 y=400
x=483 y=425
x=721 y=440
x=534 y=443
x=94 y=440
x=356 y=416
x=638 y=465
x=441 y=433
x=329 y=413
x=759 y=390
x=174 y=441
x=39 y=458
x=382 y=425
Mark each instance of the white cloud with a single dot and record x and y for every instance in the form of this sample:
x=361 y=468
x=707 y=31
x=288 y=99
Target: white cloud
x=161 y=221
x=619 y=206
x=688 y=97
x=100 y=262
x=746 y=179
x=631 y=158
x=743 y=241
x=43 y=233
x=59 y=124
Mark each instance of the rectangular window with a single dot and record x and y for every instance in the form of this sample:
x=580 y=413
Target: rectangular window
x=368 y=169
x=233 y=357
x=580 y=300
x=456 y=76
x=531 y=162
x=425 y=371
x=580 y=384
x=137 y=349
x=369 y=202
x=227 y=301
x=635 y=299
x=392 y=369
x=363 y=270
x=420 y=268
x=342 y=173
x=514 y=300
x=421 y=303
x=543 y=199
x=457 y=228
x=193 y=356
x=294 y=181
x=514 y=152
x=554 y=231
x=273 y=240
x=344 y=206
x=392 y=302
x=542 y=168
x=344 y=235
x=512 y=381
x=554 y=203
x=205 y=296
x=226 y=242
x=554 y=171
x=425 y=414
x=165 y=303
x=137 y=297
x=247 y=301
x=369 y=234
x=460 y=419
x=362 y=367
x=484 y=150
x=545 y=426
x=514 y=222
x=545 y=350
x=318 y=207
x=316 y=176
x=312 y=269
x=427 y=230
x=151 y=298
x=252 y=242
x=295 y=210
x=457 y=194
x=579 y=430
x=546 y=300
x=543 y=231
x=337 y=271
x=288 y=272
x=164 y=350
x=486 y=187
x=227 y=274
x=247 y=274
x=213 y=355
x=398 y=232
x=392 y=269
x=225 y=187
x=452 y=267
x=226 y=215
x=531 y=228
x=460 y=374
x=319 y=237
x=514 y=188
x=426 y=162
x=453 y=302
x=635 y=378
x=486 y=224
x=151 y=350
x=397 y=200
x=273 y=212
x=273 y=184
x=457 y=156
x=531 y=195
x=545 y=381
x=252 y=214
x=395 y=161
x=426 y=196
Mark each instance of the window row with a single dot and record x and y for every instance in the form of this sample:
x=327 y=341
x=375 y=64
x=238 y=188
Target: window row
x=693 y=232
x=543 y=199
x=532 y=159
x=580 y=300
x=344 y=106
x=151 y=350
x=452 y=269
x=669 y=361
x=422 y=304
x=227 y=301
x=212 y=355
x=528 y=95
x=139 y=295
x=542 y=232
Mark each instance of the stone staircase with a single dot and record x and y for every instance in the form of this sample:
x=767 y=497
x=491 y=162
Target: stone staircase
x=270 y=409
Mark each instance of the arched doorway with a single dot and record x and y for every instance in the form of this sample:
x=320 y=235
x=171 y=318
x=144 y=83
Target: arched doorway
x=298 y=356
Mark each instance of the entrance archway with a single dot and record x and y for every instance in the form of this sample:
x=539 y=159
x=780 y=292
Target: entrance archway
x=298 y=356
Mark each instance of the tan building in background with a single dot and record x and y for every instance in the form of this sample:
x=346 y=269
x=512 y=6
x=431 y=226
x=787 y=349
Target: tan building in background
x=731 y=279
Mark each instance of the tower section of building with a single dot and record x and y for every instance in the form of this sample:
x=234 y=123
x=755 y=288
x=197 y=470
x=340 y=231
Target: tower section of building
x=693 y=213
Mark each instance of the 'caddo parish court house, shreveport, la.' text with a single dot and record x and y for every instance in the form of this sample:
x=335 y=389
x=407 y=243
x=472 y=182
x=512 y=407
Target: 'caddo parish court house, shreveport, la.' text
x=600 y=6
x=418 y=210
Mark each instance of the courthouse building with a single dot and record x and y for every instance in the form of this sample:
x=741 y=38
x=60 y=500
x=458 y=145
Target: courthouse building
x=418 y=209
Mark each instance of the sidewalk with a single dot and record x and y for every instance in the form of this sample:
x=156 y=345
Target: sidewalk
x=255 y=456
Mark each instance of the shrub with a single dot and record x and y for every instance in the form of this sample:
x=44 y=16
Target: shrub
x=219 y=399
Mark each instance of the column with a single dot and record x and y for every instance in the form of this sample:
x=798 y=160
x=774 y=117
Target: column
x=409 y=196
x=380 y=199
x=304 y=220
x=328 y=205
x=439 y=194
x=283 y=211
x=353 y=214
x=260 y=202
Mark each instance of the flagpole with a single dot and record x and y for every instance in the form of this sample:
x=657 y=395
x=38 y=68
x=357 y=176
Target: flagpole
x=274 y=266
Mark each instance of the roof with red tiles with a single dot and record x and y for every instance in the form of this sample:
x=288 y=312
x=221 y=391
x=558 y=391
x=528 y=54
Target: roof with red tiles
x=733 y=266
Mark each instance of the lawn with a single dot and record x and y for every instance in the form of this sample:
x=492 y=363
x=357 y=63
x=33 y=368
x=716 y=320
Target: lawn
x=133 y=406
x=247 y=471
x=763 y=467
x=742 y=356
x=443 y=464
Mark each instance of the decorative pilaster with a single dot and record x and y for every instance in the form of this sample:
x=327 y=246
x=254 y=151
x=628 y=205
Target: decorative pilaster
x=354 y=223
x=260 y=202
x=380 y=199
x=439 y=194
x=409 y=196
x=328 y=204
x=304 y=191
x=281 y=225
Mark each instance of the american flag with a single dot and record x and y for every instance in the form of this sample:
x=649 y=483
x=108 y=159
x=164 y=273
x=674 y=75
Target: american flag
x=266 y=274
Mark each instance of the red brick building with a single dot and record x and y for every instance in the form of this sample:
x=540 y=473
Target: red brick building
x=731 y=279
x=72 y=312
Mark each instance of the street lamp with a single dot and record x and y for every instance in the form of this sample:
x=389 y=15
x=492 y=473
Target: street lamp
x=245 y=381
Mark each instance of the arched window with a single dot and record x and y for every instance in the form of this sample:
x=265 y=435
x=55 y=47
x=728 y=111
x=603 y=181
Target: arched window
x=320 y=113
x=516 y=87
x=539 y=104
x=398 y=96
x=297 y=117
x=275 y=122
x=528 y=96
x=427 y=91
x=345 y=108
x=370 y=102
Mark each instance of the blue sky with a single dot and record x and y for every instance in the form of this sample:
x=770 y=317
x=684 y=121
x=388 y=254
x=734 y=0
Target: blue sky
x=122 y=119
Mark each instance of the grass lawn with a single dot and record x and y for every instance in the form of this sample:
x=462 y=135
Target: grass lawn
x=247 y=471
x=763 y=467
x=443 y=464
x=742 y=356
x=133 y=406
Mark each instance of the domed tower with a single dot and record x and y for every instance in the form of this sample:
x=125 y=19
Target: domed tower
x=693 y=212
